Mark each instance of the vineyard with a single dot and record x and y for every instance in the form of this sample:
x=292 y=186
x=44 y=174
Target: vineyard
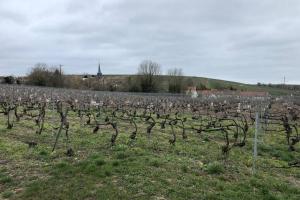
x=74 y=144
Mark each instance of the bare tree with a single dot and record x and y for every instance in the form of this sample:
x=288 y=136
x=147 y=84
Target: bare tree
x=39 y=75
x=42 y=75
x=175 y=80
x=148 y=73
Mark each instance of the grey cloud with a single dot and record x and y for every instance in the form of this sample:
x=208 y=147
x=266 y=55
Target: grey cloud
x=247 y=41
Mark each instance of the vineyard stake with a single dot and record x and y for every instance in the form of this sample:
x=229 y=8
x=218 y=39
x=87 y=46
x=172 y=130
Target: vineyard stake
x=255 y=143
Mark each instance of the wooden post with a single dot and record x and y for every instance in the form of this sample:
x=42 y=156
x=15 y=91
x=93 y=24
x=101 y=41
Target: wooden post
x=255 y=143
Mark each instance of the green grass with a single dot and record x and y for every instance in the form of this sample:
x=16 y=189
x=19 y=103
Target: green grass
x=7 y=194
x=141 y=169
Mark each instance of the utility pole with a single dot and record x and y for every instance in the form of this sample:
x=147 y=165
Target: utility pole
x=60 y=76
x=60 y=66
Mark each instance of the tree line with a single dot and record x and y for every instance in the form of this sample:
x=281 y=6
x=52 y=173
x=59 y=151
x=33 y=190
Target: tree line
x=148 y=78
x=280 y=86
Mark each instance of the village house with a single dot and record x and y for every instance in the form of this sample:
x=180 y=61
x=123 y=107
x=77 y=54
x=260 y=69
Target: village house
x=192 y=91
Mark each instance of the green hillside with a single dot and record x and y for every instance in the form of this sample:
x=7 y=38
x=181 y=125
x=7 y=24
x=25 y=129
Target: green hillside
x=209 y=83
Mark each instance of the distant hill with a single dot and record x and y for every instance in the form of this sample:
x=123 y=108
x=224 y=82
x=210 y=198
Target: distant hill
x=202 y=83
x=209 y=83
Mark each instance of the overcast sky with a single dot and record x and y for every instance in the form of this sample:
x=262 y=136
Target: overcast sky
x=248 y=41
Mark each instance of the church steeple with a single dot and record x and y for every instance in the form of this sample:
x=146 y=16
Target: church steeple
x=99 y=71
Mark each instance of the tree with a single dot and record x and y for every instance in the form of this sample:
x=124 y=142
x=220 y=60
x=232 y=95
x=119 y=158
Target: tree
x=19 y=81
x=9 y=80
x=56 y=79
x=189 y=82
x=148 y=73
x=201 y=86
x=175 y=80
x=42 y=75
x=217 y=85
x=133 y=84
x=39 y=75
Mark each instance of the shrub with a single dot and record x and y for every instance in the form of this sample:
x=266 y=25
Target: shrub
x=215 y=168
x=7 y=194
x=5 y=179
x=184 y=169
x=43 y=153
x=100 y=162
x=122 y=155
x=155 y=163
x=9 y=80
x=107 y=173
x=116 y=163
